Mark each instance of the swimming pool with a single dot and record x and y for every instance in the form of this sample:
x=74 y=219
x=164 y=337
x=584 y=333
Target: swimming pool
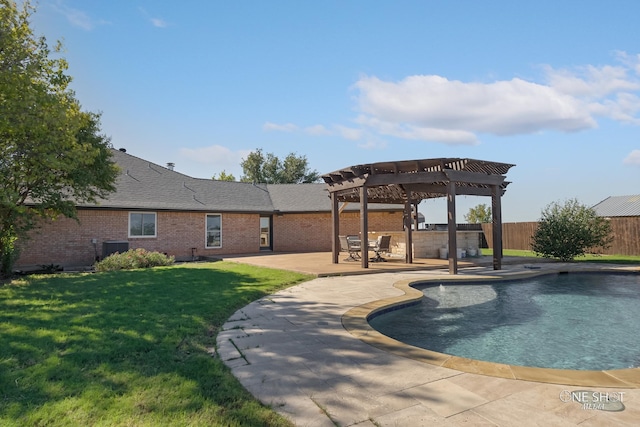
x=577 y=321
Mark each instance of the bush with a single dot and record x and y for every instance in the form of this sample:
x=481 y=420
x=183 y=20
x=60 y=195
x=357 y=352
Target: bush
x=8 y=253
x=133 y=258
x=569 y=230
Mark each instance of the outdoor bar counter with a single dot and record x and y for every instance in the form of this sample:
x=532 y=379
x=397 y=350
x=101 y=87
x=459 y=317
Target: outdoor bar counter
x=428 y=243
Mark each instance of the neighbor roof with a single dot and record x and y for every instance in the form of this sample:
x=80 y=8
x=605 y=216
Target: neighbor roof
x=148 y=186
x=619 y=206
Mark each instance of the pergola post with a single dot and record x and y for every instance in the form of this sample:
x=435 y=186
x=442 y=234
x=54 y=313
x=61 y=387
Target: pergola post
x=408 y=257
x=364 y=228
x=451 y=227
x=335 y=228
x=496 y=219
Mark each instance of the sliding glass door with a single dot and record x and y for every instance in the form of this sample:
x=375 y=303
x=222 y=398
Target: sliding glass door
x=265 y=233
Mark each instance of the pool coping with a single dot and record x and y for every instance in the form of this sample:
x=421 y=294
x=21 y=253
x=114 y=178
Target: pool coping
x=355 y=321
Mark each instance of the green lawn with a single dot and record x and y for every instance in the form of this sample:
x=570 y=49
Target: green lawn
x=612 y=259
x=128 y=348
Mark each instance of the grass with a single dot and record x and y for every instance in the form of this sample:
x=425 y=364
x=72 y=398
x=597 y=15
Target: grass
x=128 y=348
x=611 y=259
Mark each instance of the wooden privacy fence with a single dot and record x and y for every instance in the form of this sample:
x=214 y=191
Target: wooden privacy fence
x=517 y=235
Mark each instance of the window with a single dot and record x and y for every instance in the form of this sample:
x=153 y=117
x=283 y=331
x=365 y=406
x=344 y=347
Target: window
x=142 y=224
x=214 y=231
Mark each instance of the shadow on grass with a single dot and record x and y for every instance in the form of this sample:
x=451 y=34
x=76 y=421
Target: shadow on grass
x=129 y=347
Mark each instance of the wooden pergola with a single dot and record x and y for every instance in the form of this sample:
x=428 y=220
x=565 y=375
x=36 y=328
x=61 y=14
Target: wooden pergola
x=409 y=182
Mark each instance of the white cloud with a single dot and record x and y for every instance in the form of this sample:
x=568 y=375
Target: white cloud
x=407 y=131
x=288 y=127
x=317 y=130
x=610 y=91
x=430 y=107
x=633 y=158
x=592 y=82
x=371 y=143
x=623 y=108
x=352 y=134
x=159 y=23
x=630 y=61
x=156 y=22
x=77 y=17
x=219 y=157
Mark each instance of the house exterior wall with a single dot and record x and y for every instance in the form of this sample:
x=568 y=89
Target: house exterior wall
x=67 y=242
x=310 y=232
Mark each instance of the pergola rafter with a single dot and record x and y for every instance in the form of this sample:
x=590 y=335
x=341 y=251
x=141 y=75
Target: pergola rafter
x=409 y=182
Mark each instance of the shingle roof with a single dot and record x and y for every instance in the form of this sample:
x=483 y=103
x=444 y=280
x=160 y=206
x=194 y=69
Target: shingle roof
x=145 y=185
x=619 y=206
x=299 y=197
x=311 y=198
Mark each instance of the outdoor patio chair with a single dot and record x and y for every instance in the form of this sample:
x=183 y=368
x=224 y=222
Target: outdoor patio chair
x=350 y=245
x=382 y=245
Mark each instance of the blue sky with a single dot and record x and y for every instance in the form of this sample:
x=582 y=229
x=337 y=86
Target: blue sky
x=550 y=86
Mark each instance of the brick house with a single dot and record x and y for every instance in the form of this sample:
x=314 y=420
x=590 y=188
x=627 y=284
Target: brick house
x=159 y=209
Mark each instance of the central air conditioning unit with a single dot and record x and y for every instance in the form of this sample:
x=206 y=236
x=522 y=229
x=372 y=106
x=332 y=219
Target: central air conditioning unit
x=112 y=246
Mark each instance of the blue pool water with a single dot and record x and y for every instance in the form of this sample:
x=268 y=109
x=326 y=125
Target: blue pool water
x=576 y=321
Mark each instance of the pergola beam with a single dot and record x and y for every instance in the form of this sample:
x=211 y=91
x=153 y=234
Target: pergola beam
x=420 y=192
x=406 y=178
x=471 y=191
x=421 y=178
x=474 y=177
x=349 y=184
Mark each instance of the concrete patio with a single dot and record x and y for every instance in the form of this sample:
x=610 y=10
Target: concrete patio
x=292 y=351
x=319 y=263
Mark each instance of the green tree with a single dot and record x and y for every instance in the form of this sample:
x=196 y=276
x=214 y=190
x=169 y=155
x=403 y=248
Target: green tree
x=478 y=215
x=269 y=169
x=224 y=176
x=568 y=230
x=52 y=154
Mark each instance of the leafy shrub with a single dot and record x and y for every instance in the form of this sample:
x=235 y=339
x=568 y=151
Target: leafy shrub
x=133 y=258
x=8 y=253
x=569 y=230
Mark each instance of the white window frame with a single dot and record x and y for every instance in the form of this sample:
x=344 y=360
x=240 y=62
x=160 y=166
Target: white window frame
x=206 y=231
x=142 y=236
